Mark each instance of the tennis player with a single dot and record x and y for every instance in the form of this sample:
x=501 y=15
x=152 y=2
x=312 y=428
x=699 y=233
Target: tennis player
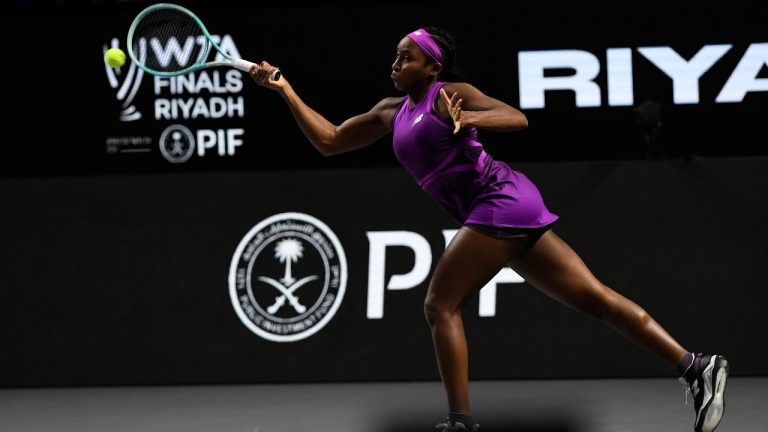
x=503 y=218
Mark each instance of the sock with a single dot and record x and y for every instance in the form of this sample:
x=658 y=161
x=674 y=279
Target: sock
x=684 y=364
x=464 y=418
x=694 y=367
x=696 y=363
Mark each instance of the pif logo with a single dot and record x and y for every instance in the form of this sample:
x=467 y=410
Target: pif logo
x=178 y=143
x=287 y=277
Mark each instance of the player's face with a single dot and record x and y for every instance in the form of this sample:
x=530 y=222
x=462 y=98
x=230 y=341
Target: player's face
x=411 y=67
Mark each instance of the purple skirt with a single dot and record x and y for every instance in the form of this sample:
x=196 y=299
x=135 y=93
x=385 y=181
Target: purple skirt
x=501 y=197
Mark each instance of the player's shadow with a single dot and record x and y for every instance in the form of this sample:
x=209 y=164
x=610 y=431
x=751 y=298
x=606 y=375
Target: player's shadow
x=502 y=423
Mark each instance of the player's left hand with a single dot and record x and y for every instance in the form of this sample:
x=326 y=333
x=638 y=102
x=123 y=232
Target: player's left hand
x=454 y=108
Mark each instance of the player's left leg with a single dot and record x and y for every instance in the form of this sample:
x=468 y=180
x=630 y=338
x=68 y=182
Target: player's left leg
x=468 y=263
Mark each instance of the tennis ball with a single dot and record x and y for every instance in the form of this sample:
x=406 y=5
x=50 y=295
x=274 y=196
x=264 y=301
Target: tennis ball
x=114 y=57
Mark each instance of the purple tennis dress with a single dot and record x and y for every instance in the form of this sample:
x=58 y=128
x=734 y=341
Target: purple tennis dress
x=460 y=175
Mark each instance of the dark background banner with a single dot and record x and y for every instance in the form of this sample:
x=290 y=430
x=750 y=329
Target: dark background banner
x=68 y=114
x=126 y=199
x=124 y=279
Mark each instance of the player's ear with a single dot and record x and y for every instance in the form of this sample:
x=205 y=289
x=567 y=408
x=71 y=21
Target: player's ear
x=436 y=69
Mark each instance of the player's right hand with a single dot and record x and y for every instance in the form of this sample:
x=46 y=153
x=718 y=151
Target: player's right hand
x=262 y=73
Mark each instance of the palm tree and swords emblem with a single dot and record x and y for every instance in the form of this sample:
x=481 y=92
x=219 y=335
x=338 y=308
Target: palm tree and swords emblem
x=287 y=251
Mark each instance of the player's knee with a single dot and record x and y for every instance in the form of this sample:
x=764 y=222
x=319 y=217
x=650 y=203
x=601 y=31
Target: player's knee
x=599 y=301
x=607 y=305
x=436 y=311
x=642 y=317
x=619 y=308
x=636 y=313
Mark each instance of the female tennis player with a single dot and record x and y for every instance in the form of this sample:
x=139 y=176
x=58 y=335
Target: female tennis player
x=503 y=218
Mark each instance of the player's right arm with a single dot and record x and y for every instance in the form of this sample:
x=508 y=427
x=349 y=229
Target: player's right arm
x=329 y=139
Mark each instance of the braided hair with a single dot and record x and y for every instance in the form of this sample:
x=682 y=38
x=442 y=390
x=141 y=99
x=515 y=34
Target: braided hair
x=445 y=41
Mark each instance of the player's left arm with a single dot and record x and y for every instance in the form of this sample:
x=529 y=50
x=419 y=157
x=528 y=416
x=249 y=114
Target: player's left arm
x=469 y=107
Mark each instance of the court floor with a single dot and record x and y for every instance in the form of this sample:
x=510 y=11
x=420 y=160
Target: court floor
x=615 y=405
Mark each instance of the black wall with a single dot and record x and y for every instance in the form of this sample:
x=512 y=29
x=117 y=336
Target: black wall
x=65 y=114
x=115 y=263
x=124 y=279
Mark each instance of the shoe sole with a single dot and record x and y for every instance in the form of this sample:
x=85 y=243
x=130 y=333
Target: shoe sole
x=717 y=376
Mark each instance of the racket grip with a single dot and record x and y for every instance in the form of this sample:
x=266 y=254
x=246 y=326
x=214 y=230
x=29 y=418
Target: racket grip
x=245 y=66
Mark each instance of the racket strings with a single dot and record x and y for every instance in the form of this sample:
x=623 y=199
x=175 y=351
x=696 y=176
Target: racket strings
x=169 y=40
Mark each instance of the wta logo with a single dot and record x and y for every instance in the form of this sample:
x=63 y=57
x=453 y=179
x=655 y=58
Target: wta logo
x=125 y=80
x=287 y=277
x=180 y=104
x=169 y=92
x=187 y=52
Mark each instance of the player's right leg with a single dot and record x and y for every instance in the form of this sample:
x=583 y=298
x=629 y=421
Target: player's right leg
x=555 y=269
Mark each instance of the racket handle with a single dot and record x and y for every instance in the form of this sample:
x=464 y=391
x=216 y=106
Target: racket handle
x=245 y=66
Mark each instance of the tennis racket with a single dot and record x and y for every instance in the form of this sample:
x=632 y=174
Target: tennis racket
x=168 y=40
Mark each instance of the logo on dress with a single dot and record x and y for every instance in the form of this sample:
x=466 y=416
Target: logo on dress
x=418 y=119
x=287 y=277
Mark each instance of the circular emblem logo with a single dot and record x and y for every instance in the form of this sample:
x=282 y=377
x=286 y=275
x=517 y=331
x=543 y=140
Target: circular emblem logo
x=287 y=277
x=177 y=144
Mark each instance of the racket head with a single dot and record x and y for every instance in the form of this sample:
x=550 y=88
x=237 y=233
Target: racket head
x=169 y=40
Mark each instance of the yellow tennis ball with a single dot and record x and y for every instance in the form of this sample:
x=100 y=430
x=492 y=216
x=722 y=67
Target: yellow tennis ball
x=114 y=57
